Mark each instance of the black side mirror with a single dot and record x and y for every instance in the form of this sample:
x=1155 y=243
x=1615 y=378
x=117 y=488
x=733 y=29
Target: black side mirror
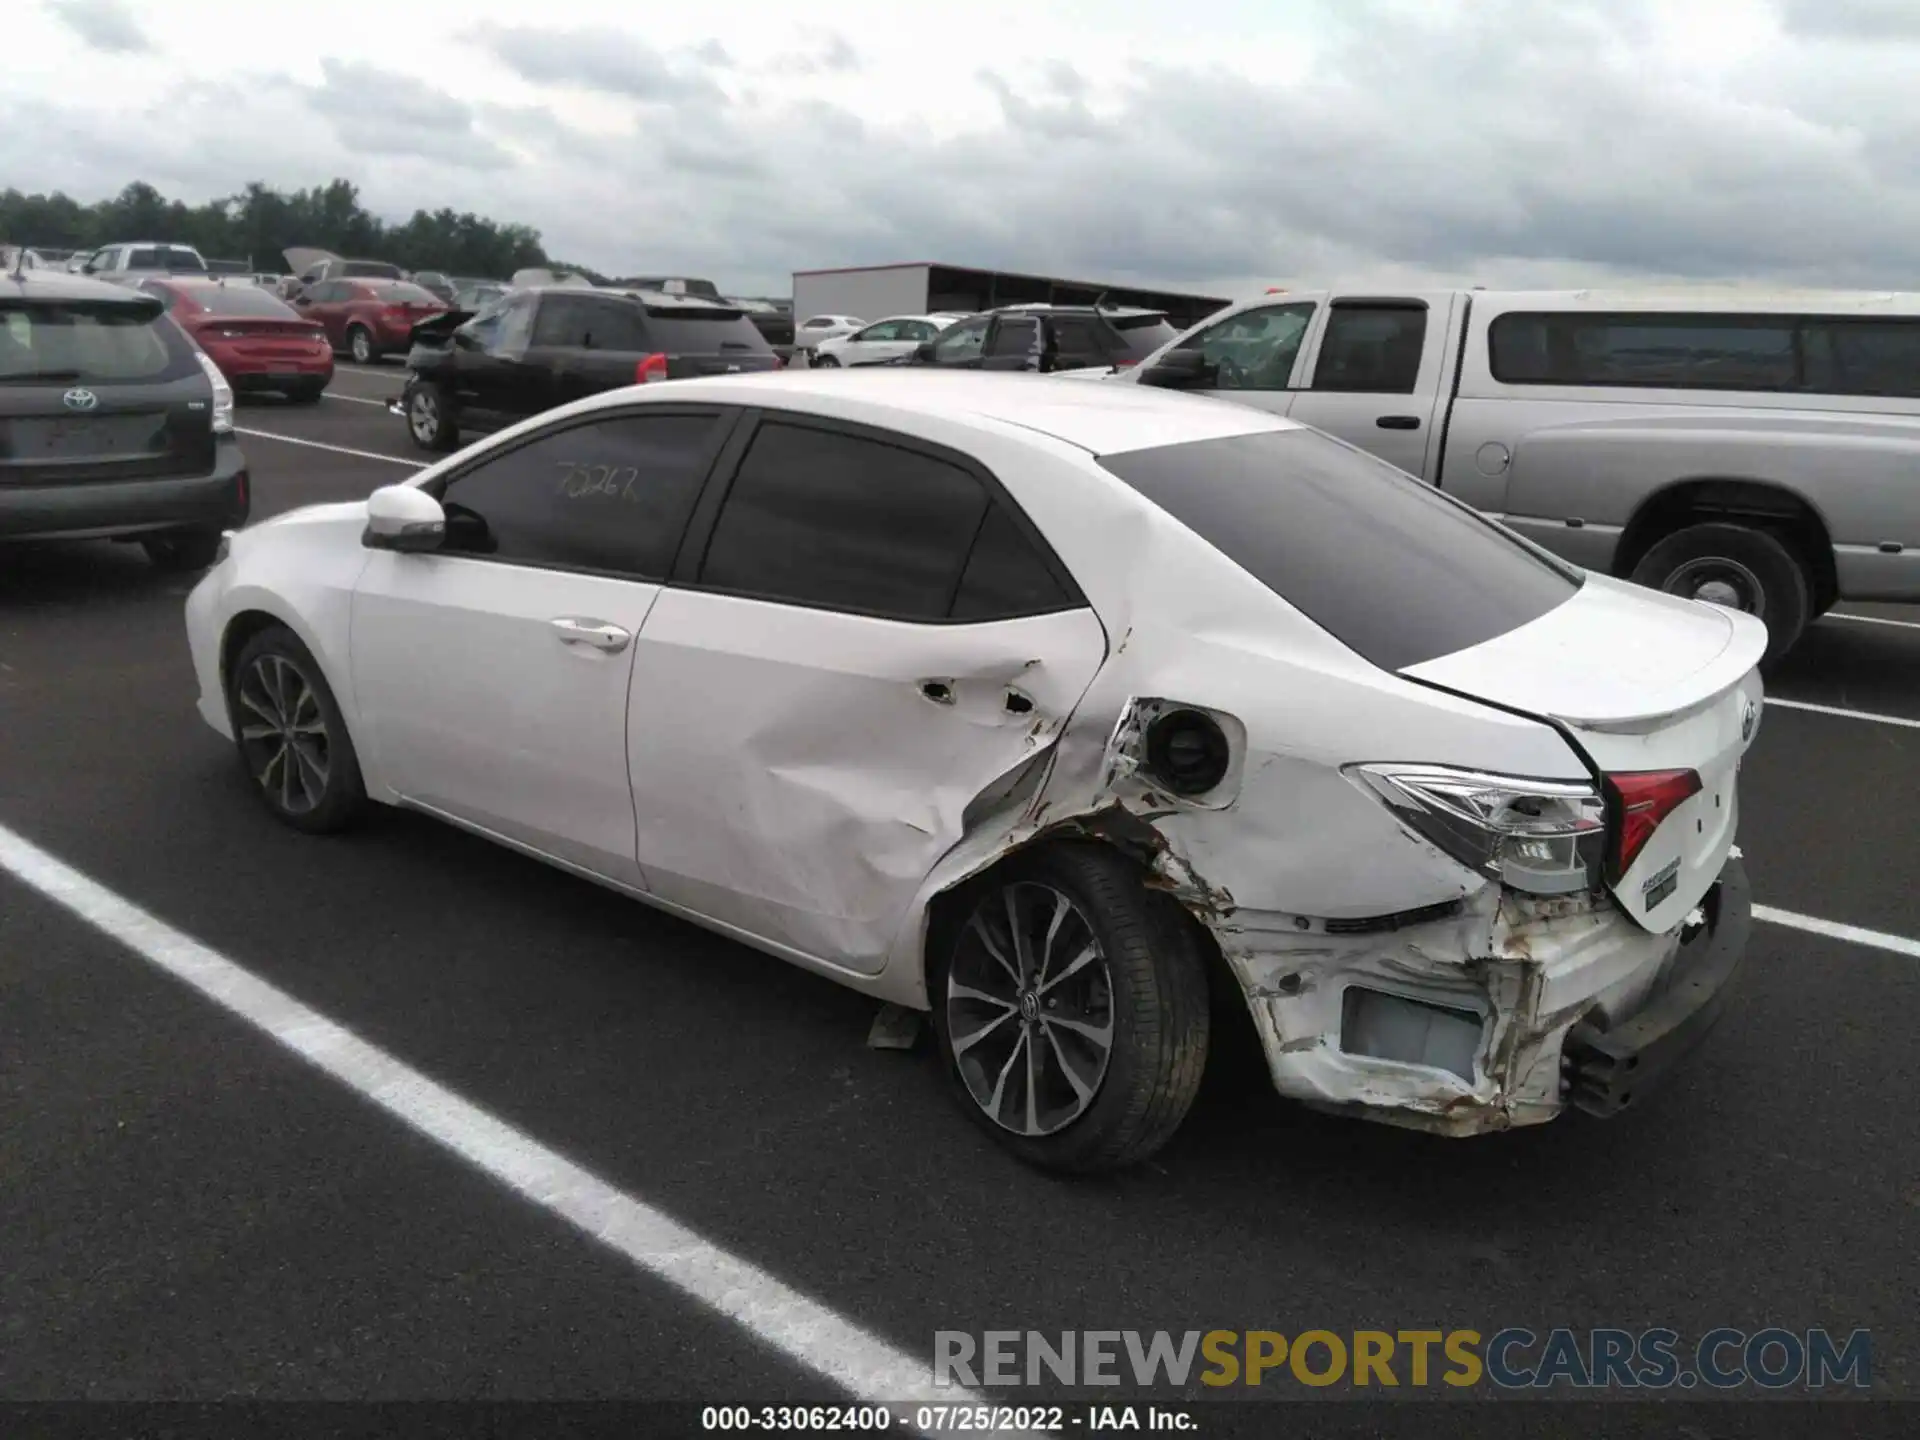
x=1178 y=369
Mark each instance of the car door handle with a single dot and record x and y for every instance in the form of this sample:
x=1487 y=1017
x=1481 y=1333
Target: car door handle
x=592 y=633
x=1398 y=422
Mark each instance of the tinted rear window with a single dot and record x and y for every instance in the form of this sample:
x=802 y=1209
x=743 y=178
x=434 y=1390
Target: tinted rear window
x=1385 y=563
x=1141 y=335
x=403 y=294
x=684 y=334
x=243 y=300
x=90 y=344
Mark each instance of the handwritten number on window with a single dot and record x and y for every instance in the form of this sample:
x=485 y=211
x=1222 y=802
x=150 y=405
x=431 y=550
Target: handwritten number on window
x=580 y=481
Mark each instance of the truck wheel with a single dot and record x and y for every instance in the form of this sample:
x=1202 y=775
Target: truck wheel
x=1071 y=1010
x=360 y=344
x=1739 y=567
x=429 y=420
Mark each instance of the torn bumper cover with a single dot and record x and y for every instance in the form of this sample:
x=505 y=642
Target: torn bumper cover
x=1499 y=1012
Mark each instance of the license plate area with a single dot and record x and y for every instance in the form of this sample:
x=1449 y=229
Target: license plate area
x=85 y=437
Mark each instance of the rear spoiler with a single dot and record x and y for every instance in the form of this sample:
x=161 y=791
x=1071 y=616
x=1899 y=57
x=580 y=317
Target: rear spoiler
x=438 y=329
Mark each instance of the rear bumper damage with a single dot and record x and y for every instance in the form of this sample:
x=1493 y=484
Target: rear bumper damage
x=1496 y=1012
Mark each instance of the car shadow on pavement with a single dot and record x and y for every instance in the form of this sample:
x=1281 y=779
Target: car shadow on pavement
x=63 y=571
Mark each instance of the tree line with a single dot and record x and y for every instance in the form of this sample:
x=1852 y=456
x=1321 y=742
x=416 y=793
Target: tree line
x=260 y=222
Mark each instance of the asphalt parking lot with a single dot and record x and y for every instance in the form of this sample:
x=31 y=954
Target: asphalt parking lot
x=194 y=1211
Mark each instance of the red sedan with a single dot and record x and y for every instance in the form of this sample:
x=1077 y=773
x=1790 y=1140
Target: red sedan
x=369 y=318
x=258 y=340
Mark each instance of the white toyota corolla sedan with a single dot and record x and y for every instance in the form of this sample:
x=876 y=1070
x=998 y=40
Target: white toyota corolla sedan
x=1067 y=713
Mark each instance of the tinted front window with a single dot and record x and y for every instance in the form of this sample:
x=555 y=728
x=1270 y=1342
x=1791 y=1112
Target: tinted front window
x=820 y=518
x=91 y=344
x=1372 y=349
x=961 y=342
x=1659 y=351
x=693 y=334
x=1388 y=565
x=613 y=495
x=1014 y=337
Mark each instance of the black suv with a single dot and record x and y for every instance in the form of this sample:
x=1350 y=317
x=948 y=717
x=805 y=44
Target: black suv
x=112 y=422
x=544 y=346
x=1048 y=338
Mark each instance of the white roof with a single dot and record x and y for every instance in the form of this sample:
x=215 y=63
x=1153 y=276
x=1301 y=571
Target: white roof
x=1103 y=419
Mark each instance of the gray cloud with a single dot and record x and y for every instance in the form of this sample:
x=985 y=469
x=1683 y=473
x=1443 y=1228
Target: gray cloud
x=104 y=24
x=608 y=61
x=1501 y=142
x=378 y=112
x=1853 y=19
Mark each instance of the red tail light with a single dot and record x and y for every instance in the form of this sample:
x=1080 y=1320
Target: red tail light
x=398 y=314
x=650 y=368
x=1643 y=798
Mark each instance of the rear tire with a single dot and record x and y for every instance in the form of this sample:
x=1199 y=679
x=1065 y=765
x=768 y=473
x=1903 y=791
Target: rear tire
x=307 y=395
x=360 y=345
x=1122 y=960
x=298 y=758
x=182 y=551
x=1737 y=566
x=430 y=423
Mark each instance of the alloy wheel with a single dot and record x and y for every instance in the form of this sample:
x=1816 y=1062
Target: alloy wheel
x=423 y=413
x=283 y=733
x=362 y=348
x=1029 y=1009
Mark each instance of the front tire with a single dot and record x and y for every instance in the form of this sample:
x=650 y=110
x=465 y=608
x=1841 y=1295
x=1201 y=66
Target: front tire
x=183 y=551
x=430 y=422
x=1071 y=1010
x=360 y=345
x=825 y=362
x=1739 y=567
x=292 y=740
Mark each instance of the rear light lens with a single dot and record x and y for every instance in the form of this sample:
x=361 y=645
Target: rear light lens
x=1544 y=837
x=650 y=369
x=222 y=393
x=1642 y=799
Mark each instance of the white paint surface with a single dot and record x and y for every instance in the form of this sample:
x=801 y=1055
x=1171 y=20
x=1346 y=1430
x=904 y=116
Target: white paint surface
x=800 y=1329
x=1834 y=930
x=336 y=449
x=1899 y=720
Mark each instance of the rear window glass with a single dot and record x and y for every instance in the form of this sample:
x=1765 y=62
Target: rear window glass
x=1386 y=564
x=687 y=334
x=1141 y=335
x=86 y=344
x=403 y=294
x=242 y=300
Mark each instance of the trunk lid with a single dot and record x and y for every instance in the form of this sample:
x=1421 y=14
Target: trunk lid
x=145 y=432
x=1642 y=682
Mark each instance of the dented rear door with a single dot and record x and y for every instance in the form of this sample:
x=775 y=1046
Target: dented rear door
x=869 y=641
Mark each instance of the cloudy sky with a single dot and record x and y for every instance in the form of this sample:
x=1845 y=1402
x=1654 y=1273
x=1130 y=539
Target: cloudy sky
x=1217 y=147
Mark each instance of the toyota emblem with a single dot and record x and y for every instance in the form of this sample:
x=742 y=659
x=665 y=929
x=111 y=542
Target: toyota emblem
x=1749 y=718
x=80 y=399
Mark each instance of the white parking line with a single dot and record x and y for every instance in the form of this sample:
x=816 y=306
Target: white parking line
x=1872 y=620
x=357 y=399
x=336 y=449
x=1834 y=930
x=1900 y=720
x=801 y=1329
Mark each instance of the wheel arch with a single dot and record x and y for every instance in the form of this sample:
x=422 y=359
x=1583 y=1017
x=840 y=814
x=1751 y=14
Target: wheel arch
x=947 y=909
x=249 y=621
x=1766 y=505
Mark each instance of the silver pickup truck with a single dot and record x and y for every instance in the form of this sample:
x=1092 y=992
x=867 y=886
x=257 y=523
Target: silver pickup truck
x=1756 y=449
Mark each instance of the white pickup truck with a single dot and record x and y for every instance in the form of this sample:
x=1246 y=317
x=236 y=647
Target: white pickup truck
x=1756 y=449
